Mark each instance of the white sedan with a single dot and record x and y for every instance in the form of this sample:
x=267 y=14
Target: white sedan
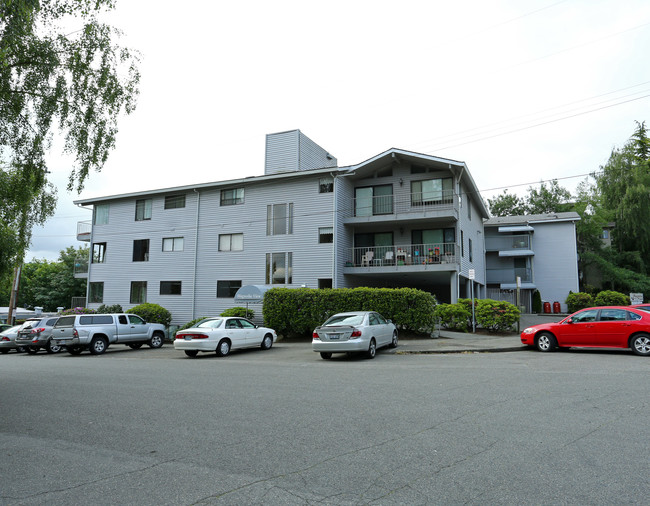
x=222 y=334
x=358 y=331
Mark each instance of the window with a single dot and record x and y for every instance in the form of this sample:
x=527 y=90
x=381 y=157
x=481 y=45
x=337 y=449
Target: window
x=431 y=191
x=173 y=244
x=174 y=201
x=469 y=249
x=231 y=242
x=170 y=287
x=99 y=253
x=232 y=197
x=100 y=214
x=462 y=244
x=142 y=209
x=279 y=219
x=325 y=283
x=325 y=235
x=373 y=200
x=138 y=292
x=279 y=268
x=96 y=292
x=141 y=250
x=227 y=289
x=326 y=184
x=469 y=207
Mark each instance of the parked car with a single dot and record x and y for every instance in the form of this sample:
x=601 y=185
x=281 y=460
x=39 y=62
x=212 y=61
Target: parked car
x=223 y=334
x=642 y=307
x=36 y=333
x=96 y=332
x=8 y=340
x=5 y=326
x=360 y=331
x=595 y=327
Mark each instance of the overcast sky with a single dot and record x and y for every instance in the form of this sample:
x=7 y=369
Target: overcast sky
x=521 y=91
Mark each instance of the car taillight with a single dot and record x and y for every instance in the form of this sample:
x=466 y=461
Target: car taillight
x=356 y=333
x=37 y=331
x=4 y=338
x=75 y=333
x=315 y=335
x=192 y=336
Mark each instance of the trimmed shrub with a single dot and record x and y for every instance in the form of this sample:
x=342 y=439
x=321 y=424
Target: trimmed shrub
x=578 y=300
x=152 y=313
x=453 y=316
x=77 y=310
x=115 y=308
x=496 y=315
x=295 y=312
x=241 y=312
x=612 y=298
x=537 y=302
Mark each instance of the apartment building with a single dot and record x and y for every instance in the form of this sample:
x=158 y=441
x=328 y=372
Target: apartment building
x=399 y=219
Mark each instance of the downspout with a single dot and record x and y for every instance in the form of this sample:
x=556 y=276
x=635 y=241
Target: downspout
x=196 y=250
x=335 y=235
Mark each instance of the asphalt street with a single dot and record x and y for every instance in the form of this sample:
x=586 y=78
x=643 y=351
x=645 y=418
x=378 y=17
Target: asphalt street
x=285 y=427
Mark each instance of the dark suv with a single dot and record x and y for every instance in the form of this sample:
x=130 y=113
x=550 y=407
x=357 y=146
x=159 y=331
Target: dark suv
x=35 y=334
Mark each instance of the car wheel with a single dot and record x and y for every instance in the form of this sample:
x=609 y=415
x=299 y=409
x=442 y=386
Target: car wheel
x=372 y=349
x=156 y=340
x=224 y=348
x=98 y=346
x=641 y=345
x=546 y=342
x=74 y=350
x=31 y=351
x=267 y=342
x=4 y=351
x=52 y=348
x=393 y=343
x=191 y=353
x=135 y=346
x=20 y=349
x=325 y=355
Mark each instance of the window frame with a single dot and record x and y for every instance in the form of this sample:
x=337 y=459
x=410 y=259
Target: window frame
x=229 y=237
x=177 y=201
x=141 y=207
x=279 y=225
x=234 y=199
x=287 y=264
x=327 y=235
x=229 y=285
x=142 y=253
x=95 y=292
x=138 y=288
x=100 y=214
x=174 y=241
x=100 y=256
x=326 y=184
x=171 y=288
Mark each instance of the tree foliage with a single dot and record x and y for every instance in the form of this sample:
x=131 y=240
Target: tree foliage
x=551 y=198
x=76 y=81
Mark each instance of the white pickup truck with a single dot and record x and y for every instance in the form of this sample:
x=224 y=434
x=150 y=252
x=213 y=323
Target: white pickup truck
x=95 y=332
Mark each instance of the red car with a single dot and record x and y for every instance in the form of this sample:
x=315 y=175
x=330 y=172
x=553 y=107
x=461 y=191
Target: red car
x=594 y=327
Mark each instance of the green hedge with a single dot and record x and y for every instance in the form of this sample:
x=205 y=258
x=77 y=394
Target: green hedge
x=152 y=313
x=295 y=312
x=454 y=316
x=612 y=298
x=491 y=315
x=239 y=311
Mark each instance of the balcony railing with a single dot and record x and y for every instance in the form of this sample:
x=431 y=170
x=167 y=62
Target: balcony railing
x=509 y=276
x=412 y=254
x=508 y=243
x=414 y=202
x=80 y=266
x=84 y=228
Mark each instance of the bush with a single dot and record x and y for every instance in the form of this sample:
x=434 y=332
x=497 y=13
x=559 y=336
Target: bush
x=453 y=316
x=537 y=302
x=611 y=298
x=241 y=312
x=77 y=310
x=115 y=308
x=496 y=315
x=577 y=301
x=152 y=313
x=297 y=311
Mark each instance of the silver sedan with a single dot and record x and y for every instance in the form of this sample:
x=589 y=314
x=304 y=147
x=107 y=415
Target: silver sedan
x=356 y=331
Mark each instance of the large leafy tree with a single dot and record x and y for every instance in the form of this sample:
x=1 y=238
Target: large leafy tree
x=551 y=198
x=61 y=70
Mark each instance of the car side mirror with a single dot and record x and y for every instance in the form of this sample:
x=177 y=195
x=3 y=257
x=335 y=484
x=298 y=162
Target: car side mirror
x=389 y=321
x=570 y=320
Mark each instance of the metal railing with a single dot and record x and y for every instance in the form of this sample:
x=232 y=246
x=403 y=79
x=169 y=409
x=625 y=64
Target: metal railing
x=509 y=275
x=414 y=202
x=81 y=265
x=507 y=243
x=410 y=254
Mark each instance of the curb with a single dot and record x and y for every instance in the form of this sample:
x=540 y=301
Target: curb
x=459 y=351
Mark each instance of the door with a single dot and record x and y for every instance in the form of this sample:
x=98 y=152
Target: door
x=124 y=334
x=614 y=328
x=236 y=333
x=581 y=331
x=139 y=329
x=380 y=329
x=251 y=334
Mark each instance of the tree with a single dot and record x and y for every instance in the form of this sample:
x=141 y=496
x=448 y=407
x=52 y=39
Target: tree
x=547 y=199
x=507 y=204
x=77 y=81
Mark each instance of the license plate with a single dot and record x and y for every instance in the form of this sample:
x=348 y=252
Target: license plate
x=188 y=338
x=332 y=337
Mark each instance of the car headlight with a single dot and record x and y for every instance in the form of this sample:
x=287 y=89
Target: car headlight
x=529 y=330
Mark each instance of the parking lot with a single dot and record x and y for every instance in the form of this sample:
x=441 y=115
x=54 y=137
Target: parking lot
x=285 y=427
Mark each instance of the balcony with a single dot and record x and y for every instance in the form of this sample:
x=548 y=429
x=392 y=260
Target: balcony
x=81 y=268
x=84 y=229
x=406 y=208
x=509 y=276
x=510 y=245
x=406 y=258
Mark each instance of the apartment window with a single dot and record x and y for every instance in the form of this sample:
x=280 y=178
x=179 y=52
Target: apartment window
x=138 y=292
x=174 y=201
x=170 y=287
x=432 y=191
x=469 y=249
x=100 y=214
x=279 y=268
x=232 y=197
x=141 y=250
x=462 y=244
x=325 y=283
x=279 y=219
x=469 y=207
x=96 y=292
x=326 y=184
x=99 y=253
x=231 y=242
x=142 y=209
x=226 y=289
x=173 y=244
x=325 y=235
x=373 y=200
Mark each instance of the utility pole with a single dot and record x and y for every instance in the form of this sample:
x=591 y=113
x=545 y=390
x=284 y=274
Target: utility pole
x=13 y=300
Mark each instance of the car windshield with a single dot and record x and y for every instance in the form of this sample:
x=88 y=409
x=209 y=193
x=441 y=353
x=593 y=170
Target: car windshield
x=344 y=319
x=30 y=324
x=212 y=323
